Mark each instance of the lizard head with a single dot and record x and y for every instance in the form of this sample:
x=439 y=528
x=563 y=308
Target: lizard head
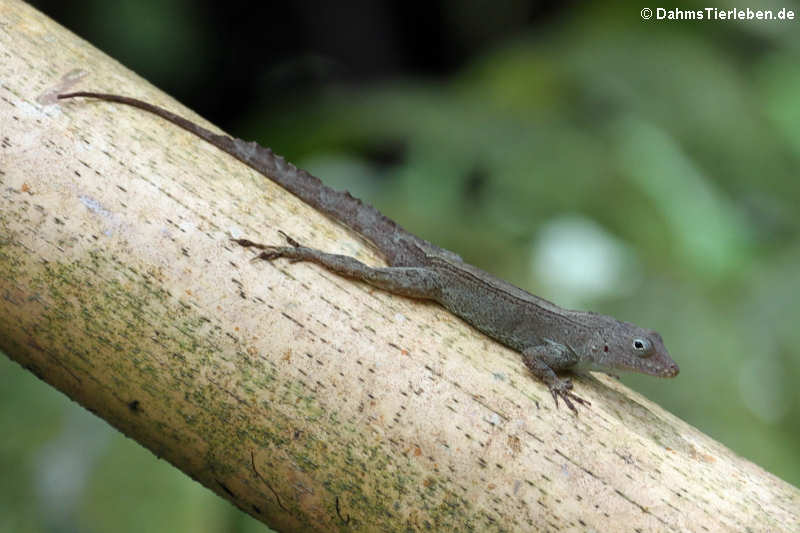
x=626 y=346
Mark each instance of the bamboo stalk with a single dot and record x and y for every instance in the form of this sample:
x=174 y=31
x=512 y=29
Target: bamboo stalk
x=311 y=402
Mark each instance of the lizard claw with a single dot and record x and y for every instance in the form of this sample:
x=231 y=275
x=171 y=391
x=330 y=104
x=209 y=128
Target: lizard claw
x=291 y=241
x=268 y=252
x=563 y=388
x=247 y=243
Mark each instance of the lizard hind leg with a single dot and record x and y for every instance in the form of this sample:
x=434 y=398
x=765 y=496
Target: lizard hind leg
x=414 y=282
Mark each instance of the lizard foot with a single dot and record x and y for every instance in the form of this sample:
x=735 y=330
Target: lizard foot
x=270 y=252
x=563 y=388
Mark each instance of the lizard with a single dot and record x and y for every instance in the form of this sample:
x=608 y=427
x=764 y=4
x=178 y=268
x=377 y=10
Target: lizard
x=550 y=338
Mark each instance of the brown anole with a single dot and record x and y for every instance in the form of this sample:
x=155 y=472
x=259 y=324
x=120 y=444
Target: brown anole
x=549 y=337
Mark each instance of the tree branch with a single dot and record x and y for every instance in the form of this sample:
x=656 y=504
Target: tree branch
x=309 y=401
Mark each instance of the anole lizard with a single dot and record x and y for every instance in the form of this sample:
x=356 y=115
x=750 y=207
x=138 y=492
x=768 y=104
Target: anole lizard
x=549 y=337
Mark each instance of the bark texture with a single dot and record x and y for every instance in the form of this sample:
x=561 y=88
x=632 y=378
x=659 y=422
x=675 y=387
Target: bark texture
x=311 y=402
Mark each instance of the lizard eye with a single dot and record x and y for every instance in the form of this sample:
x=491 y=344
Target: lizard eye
x=642 y=347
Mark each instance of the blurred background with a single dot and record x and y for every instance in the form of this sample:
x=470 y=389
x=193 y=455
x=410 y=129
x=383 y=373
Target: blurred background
x=643 y=169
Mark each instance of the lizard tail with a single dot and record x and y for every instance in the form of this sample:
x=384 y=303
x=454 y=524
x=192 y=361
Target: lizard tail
x=384 y=233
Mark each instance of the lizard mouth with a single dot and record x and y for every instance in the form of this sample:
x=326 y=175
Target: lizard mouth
x=671 y=371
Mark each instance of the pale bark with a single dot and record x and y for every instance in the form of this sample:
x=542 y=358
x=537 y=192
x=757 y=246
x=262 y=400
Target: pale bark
x=309 y=401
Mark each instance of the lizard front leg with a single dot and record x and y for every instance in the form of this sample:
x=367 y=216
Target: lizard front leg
x=415 y=282
x=542 y=358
